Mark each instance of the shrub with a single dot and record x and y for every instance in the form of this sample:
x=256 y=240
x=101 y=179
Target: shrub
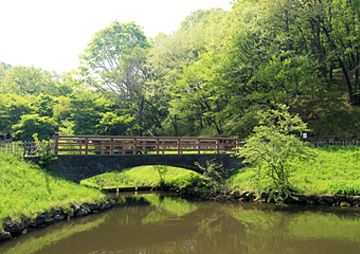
x=273 y=149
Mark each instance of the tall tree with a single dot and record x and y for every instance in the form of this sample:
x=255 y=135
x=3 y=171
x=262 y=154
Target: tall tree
x=179 y=61
x=115 y=62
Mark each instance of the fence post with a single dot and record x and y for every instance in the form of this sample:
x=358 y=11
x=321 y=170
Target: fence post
x=163 y=142
x=135 y=145
x=56 y=144
x=217 y=146
x=111 y=146
x=86 y=146
x=157 y=146
x=178 y=146
x=198 y=145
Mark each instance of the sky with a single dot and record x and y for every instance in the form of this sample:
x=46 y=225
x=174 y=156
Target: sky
x=51 y=34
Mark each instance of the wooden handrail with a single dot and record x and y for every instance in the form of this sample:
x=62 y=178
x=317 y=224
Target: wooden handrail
x=119 y=145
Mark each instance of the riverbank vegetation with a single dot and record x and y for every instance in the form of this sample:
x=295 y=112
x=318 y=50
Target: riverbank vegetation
x=28 y=190
x=333 y=170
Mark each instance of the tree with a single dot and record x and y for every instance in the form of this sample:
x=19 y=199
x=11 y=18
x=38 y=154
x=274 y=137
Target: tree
x=12 y=108
x=273 y=150
x=31 y=124
x=112 y=124
x=115 y=63
x=179 y=62
x=29 y=80
x=104 y=57
x=86 y=108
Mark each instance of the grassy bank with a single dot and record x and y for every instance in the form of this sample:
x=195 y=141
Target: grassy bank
x=147 y=176
x=334 y=170
x=25 y=189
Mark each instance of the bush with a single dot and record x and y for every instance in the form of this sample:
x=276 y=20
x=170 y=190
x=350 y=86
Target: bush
x=273 y=150
x=31 y=124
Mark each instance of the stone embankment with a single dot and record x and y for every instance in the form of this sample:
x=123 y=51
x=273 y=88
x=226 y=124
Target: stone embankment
x=248 y=196
x=14 y=228
x=328 y=200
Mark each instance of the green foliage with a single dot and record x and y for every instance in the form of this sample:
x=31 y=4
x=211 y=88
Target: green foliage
x=273 y=149
x=28 y=80
x=104 y=55
x=29 y=125
x=334 y=170
x=162 y=171
x=12 y=108
x=112 y=124
x=66 y=128
x=212 y=170
x=44 y=151
x=181 y=63
x=86 y=108
x=28 y=190
x=209 y=77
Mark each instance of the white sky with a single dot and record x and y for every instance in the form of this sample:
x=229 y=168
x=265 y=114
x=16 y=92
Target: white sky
x=52 y=33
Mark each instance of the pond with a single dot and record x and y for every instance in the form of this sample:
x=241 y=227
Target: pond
x=160 y=223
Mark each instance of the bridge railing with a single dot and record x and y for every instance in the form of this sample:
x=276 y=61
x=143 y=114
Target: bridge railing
x=124 y=145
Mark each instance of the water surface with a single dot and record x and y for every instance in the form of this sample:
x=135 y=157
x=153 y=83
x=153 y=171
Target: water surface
x=154 y=223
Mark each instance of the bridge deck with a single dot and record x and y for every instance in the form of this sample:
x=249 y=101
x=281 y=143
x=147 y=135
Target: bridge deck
x=131 y=145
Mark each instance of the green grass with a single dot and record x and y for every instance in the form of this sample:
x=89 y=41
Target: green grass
x=334 y=170
x=25 y=189
x=142 y=176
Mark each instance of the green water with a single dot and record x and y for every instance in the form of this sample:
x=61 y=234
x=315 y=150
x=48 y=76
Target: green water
x=153 y=223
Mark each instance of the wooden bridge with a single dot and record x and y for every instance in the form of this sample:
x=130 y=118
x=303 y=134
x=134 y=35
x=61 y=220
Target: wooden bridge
x=124 y=145
x=81 y=157
x=127 y=145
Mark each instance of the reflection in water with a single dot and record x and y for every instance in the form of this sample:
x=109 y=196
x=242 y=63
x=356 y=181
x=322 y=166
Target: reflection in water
x=38 y=240
x=166 y=224
x=167 y=207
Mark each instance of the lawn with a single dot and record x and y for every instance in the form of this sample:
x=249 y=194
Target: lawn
x=334 y=170
x=26 y=189
x=147 y=176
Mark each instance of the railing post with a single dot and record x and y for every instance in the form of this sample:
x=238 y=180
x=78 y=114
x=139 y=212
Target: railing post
x=178 y=146
x=24 y=149
x=56 y=144
x=163 y=146
x=135 y=145
x=80 y=146
x=111 y=146
x=86 y=146
x=217 y=146
x=157 y=146
x=124 y=147
x=198 y=145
